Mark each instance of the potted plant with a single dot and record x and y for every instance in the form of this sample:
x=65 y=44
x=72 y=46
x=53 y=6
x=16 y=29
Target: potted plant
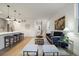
x=66 y=39
x=64 y=42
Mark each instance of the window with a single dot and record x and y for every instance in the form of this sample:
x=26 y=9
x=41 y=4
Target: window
x=78 y=16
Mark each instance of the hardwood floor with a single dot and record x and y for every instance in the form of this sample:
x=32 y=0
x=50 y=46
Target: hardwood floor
x=16 y=50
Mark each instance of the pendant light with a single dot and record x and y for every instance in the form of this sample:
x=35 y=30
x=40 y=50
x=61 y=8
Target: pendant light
x=19 y=14
x=8 y=17
x=15 y=15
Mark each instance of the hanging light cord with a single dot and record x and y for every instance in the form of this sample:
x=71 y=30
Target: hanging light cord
x=8 y=10
x=14 y=15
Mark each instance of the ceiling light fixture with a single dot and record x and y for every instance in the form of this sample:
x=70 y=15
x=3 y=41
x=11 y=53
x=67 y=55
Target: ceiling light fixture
x=19 y=14
x=19 y=21
x=15 y=15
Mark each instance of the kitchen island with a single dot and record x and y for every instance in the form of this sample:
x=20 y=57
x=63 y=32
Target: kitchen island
x=2 y=40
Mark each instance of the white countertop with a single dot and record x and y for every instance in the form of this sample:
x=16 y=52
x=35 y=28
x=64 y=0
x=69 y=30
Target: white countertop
x=3 y=33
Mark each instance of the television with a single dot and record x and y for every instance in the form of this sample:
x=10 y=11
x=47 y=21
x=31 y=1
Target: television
x=58 y=34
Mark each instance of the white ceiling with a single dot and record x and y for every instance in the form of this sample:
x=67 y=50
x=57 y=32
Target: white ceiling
x=31 y=10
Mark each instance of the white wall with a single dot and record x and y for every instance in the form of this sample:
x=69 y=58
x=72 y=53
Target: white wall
x=30 y=28
x=27 y=28
x=68 y=12
x=3 y=25
x=70 y=22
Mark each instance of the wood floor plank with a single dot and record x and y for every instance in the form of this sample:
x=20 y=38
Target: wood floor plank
x=16 y=50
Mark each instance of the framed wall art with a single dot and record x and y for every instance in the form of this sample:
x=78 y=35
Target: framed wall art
x=60 y=23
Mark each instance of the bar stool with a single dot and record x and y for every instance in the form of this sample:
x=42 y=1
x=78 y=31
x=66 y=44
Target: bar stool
x=12 y=41
x=8 y=41
x=16 y=38
x=21 y=36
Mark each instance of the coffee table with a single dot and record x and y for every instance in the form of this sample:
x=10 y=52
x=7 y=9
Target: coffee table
x=50 y=49
x=30 y=48
x=39 y=41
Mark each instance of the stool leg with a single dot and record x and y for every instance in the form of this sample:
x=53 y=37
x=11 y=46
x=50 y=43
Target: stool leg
x=16 y=39
x=9 y=43
x=37 y=53
x=5 y=42
x=23 y=53
x=57 y=53
x=13 y=41
x=43 y=54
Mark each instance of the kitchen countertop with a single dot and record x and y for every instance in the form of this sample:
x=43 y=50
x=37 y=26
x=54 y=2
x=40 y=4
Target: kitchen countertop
x=4 y=33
